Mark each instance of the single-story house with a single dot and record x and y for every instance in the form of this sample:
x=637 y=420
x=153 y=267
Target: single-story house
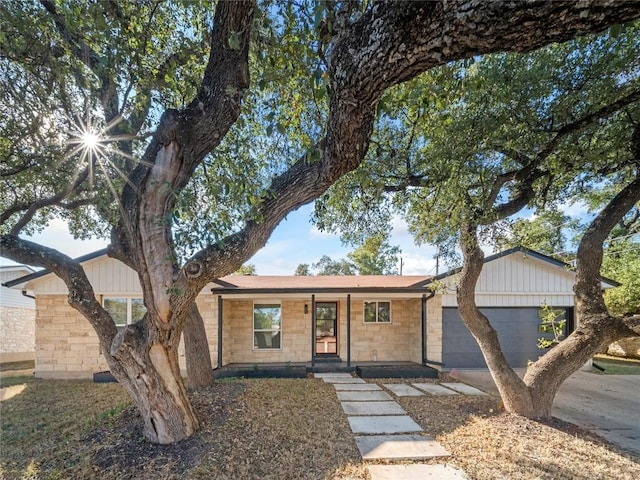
x=17 y=317
x=256 y=320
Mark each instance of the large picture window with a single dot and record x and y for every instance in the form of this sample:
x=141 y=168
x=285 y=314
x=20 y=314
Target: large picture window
x=377 y=312
x=124 y=310
x=267 y=323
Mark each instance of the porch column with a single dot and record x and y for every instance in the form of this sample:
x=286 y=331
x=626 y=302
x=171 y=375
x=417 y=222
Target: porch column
x=219 y=331
x=424 y=328
x=313 y=330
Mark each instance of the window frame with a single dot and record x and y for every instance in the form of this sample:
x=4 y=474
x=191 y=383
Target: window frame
x=128 y=298
x=254 y=330
x=377 y=321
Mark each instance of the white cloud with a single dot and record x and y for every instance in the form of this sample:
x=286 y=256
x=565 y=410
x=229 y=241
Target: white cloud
x=575 y=209
x=399 y=229
x=314 y=232
x=418 y=265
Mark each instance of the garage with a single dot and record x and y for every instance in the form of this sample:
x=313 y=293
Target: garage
x=512 y=288
x=517 y=331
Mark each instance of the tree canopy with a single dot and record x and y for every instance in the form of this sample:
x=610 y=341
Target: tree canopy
x=187 y=131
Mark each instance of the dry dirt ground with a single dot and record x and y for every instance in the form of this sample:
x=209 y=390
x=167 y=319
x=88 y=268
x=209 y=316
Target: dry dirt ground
x=276 y=429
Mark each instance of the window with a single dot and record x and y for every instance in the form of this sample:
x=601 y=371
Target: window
x=123 y=310
x=377 y=312
x=267 y=320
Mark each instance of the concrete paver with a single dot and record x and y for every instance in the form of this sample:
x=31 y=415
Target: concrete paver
x=361 y=387
x=363 y=396
x=373 y=408
x=385 y=424
x=332 y=375
x=434 y=389
x=464 y=388
x=402 y=390
x=399 y=447
x=415 y=472
x=603 y=404
x=343 y=380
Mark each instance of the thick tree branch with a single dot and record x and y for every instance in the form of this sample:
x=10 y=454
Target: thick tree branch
x=81 y=294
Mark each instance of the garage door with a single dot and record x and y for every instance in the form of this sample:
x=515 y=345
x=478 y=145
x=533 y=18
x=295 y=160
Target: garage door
x=517 y=331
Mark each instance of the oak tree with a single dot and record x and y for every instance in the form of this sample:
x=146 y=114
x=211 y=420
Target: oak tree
x=125 y=119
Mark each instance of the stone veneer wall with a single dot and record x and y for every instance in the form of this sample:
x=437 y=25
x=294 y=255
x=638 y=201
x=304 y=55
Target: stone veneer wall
x=68 y=347
x=434 y=330
x=397 y=341
x=66 y=344
x=18 y=333
x=238 y=333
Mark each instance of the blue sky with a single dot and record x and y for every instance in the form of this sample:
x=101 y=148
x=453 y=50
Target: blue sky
x=295 y=241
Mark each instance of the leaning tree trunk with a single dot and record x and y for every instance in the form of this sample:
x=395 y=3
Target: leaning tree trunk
x=515 y=394
x=196 y=345
x=144 y=360
x=533 y=396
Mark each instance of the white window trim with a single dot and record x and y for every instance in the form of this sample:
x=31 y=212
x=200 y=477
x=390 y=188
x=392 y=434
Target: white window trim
x=377 y=302
x=253 y=329
x=128 y=298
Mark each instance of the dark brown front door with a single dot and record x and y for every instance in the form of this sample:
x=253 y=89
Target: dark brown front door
x=326 y=328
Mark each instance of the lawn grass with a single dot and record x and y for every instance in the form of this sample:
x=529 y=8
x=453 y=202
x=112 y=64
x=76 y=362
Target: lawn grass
x=276 y=429
x=617 y=365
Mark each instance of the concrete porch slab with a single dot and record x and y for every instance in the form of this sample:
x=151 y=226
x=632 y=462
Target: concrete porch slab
x=402 y=390
x=399 y=447
x=385 y=424
x=463 y=388
x=363 y=396
x=373 y=408
x=356 y=387
x=434 y=389
x=416 y=472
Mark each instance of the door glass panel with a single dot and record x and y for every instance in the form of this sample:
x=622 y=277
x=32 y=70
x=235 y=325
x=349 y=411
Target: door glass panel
x=326 y=327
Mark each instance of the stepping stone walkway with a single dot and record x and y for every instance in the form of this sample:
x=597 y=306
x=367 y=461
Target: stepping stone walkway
x=402 y=390
x=385 y=431
x=434 y=389
x=416 y=472
x=463 y=388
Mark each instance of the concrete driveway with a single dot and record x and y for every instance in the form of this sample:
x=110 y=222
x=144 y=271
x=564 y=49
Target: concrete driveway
x=608 y=405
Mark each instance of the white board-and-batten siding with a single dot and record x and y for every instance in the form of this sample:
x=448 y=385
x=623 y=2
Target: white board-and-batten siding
x=107 y=276
x=11 y=297
x=518 y=280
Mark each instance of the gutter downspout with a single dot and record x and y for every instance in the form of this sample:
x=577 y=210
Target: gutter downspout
x=24 y=292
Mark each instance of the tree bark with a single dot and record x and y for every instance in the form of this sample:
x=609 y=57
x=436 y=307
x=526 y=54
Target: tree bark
x=513 y=390
x=144 y=360
x=196 y=345
x=533 y=395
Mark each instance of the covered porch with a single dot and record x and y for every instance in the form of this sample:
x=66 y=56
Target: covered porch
x=324 y=323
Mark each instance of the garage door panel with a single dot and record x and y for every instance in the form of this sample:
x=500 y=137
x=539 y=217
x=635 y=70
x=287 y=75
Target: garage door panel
x=517 y=332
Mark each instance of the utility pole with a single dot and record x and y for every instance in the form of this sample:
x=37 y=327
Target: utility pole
x=401 y=266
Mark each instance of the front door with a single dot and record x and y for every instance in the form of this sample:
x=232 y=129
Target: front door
x=326 y=328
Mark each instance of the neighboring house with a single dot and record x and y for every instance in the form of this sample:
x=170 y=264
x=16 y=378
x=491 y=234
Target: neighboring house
x=17 y=318
x=358 y=319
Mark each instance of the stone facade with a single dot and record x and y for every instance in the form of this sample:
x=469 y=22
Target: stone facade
x=68 y=347
x=395 y=341
x=18 y=330
x=237 y=333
